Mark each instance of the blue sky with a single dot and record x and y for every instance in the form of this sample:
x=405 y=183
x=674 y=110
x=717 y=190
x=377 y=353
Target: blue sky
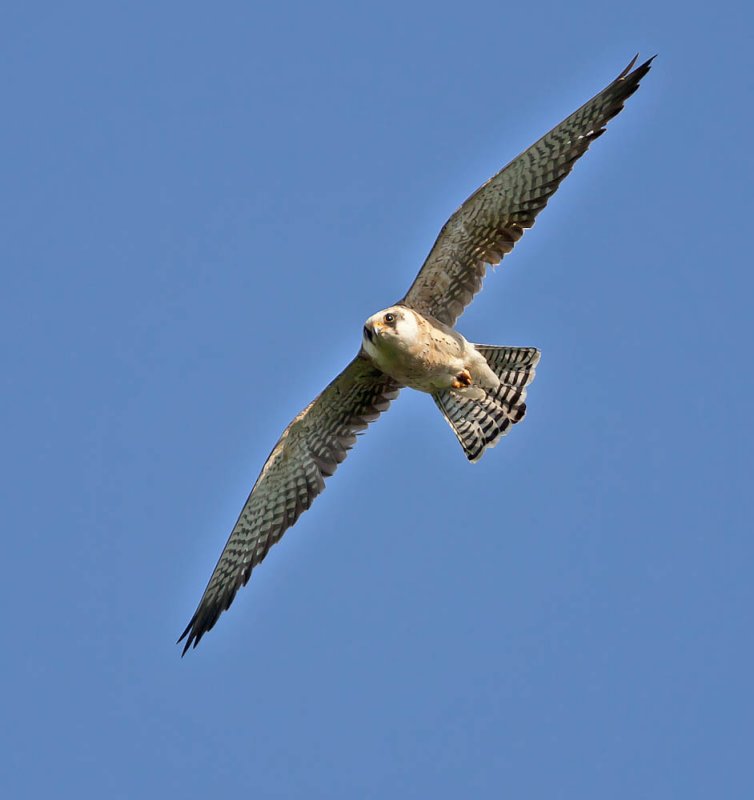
x=200 y=207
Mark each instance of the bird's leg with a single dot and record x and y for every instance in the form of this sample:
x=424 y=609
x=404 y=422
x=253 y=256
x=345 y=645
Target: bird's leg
x=462 y=380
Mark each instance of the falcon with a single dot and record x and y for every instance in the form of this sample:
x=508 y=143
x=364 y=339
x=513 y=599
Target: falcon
x=479 y=389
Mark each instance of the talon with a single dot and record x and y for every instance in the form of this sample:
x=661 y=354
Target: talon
x=462 y=380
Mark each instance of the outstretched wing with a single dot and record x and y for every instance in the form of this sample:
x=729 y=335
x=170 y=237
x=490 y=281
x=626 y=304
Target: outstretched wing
x=494 y=218
x=309 y=451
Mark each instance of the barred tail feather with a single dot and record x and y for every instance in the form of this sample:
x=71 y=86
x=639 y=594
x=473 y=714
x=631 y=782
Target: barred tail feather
x=513 y=365
x=480 y=423
x=477 y=424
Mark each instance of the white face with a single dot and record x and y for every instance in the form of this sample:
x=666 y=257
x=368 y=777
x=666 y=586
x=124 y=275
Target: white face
x=395 y=326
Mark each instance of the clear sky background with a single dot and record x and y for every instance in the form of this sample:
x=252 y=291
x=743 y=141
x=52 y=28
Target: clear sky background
x=200 y=206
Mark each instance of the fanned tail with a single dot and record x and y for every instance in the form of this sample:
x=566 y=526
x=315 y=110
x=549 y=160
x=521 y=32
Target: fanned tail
x=479 y=423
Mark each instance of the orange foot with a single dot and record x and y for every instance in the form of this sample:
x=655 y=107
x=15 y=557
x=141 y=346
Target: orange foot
x=462 y=380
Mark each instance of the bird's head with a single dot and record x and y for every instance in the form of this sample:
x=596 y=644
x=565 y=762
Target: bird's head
x=392 y=327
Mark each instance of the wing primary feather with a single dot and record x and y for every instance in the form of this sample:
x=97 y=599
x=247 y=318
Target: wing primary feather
x=309 y=451
x=485 y=228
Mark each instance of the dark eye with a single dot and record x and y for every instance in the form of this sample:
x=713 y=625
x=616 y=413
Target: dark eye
x=390 y=318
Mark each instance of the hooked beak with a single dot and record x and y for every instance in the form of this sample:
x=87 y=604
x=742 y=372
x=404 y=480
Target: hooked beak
x=369 y=333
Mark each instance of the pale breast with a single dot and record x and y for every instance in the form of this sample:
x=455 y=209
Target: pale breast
x=427 y=361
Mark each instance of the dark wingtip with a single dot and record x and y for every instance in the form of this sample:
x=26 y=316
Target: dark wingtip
x=627 y=83
x=628 y=68
x=629 y=73
x=193 y=639
x=203 y=620
x=640 y=71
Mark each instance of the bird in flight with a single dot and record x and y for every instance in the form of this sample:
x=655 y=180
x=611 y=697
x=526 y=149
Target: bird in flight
x=479 y=389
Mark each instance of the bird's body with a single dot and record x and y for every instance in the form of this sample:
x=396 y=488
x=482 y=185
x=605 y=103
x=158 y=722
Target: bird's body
x=479 y=389
x=425 y=354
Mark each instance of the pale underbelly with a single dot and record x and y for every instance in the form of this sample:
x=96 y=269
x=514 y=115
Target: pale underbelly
x=418 y=373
